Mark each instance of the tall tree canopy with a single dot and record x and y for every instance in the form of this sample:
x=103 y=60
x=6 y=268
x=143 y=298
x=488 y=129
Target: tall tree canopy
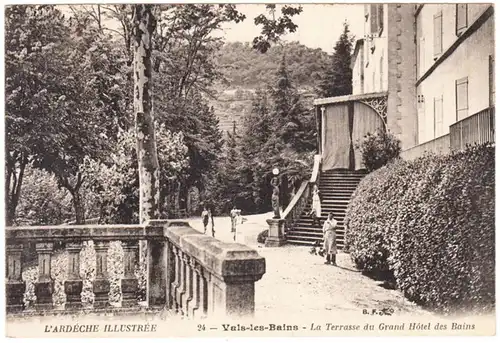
x=337 y=79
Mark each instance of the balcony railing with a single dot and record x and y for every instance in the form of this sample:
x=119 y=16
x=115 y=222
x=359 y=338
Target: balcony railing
x=188 y=273
x=478 y=128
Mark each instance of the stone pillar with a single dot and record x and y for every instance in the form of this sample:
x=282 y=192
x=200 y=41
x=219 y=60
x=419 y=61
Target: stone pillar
x=276 y=235
x=129 y=281
x=101 y=283
x=157 y=278
x=45 y=285
x=158 y=257
x=234 y=296
x=15 y=286
x=73 y=286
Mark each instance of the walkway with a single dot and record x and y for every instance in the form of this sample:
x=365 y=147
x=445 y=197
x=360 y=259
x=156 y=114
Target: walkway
x=297 y=283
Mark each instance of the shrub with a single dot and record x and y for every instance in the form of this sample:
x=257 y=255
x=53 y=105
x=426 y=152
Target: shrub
x=378 y=149
x=431 y=223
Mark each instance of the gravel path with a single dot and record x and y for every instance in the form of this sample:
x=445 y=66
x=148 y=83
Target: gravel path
x=298 y=282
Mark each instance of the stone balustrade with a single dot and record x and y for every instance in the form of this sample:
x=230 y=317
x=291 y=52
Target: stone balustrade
x=188 y=273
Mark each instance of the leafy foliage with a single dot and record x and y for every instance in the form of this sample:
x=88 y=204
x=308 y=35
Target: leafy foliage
x=273 y=28
x=42 y=201
x=336 y=80
x=114 y=185
x=430 y=222
x=378 y=149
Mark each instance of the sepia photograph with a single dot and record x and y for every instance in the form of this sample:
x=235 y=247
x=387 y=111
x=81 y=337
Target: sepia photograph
x=249 y=170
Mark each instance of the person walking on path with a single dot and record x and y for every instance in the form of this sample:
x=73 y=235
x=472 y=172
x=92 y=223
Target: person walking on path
x=204 y=217
x=330 y=240
x=234 y=219
x=316 y=206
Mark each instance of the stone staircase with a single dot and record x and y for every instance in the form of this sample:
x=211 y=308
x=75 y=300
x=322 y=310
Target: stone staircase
x=336 y=188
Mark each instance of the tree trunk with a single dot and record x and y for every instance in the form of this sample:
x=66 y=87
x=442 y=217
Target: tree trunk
x=13 y=194
x=79 y=209
x=149 y=172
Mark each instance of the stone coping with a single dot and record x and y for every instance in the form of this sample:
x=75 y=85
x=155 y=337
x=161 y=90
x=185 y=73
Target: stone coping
x=151 y=230
x=231 y=262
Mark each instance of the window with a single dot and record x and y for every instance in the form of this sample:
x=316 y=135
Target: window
x=438 y=117
x=462 y=98
x=376 y=18
x=461 y=18
x=438 y=34
x=491 y=70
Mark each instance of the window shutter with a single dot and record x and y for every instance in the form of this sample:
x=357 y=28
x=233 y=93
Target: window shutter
x=421 y=56
x=380 y=17
x=438 y=116
x=438 y=34
x=373 y=18
x=461 y=18
x=462 y=94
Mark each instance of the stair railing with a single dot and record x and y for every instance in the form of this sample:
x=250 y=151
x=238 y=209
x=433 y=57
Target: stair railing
x=299 y=201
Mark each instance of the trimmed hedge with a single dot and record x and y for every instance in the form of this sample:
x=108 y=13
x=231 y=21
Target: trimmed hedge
x=431 y=222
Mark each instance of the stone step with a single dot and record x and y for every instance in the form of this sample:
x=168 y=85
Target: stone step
x=305 y=232
x=310 y=242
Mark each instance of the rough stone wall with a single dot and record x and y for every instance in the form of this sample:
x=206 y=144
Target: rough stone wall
x=402 y=104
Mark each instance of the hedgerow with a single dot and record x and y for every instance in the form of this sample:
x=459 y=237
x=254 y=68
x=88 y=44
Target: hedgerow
x=431 y=223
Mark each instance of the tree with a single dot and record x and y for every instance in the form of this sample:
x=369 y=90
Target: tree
x=273 y=28
x=149 y=171
x=42 y=201
x=337 y=79
x=50 y=95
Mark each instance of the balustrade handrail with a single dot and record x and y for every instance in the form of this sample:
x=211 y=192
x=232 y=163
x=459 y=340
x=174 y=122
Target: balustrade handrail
x=316 y=167
x=187 y=272
x=303 y=187
x=294 y=209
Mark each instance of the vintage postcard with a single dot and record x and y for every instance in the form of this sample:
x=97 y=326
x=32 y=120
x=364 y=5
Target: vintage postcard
x=249 y=170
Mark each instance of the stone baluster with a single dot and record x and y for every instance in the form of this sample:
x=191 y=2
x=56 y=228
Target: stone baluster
x=176 y=282
x=101 y=284
x=199 y=292
x=188 y=295
x=45 y=285
x=195 y=297
x=181 y=290
x=15 y=286
x=210 y=292
x=73 y=286
x=129 y=282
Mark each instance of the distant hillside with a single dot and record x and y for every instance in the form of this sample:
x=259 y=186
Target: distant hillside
x=246 y=69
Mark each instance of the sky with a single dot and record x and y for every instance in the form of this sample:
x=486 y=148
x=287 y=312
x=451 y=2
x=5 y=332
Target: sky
x=319 y=25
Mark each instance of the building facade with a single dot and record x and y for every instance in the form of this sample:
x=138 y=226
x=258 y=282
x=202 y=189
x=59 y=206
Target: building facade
x=436 y=63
